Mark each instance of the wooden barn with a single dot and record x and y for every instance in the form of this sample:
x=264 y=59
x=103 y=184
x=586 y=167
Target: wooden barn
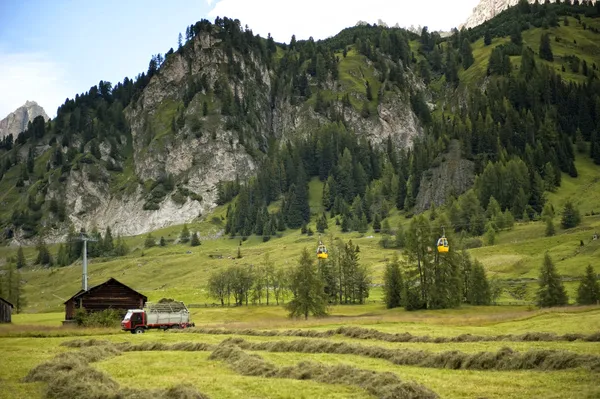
x=5 y=311
x=111 y=294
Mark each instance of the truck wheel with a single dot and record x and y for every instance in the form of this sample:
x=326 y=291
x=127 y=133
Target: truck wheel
x=138 y=330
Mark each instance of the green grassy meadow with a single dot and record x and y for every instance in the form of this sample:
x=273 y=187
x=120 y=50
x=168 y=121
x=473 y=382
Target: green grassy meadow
x=36 y=338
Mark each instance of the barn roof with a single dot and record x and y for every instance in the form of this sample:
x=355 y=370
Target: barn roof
x=82 y=292
x=8 y=303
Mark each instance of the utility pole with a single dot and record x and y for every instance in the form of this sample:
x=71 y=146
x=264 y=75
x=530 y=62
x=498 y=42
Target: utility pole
x=84 y=278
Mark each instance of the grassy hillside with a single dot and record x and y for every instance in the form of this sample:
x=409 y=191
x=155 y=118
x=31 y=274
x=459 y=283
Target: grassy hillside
x=571 y=40
x=181 y=272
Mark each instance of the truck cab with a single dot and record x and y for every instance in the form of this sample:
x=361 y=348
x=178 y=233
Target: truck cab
x=134 y=321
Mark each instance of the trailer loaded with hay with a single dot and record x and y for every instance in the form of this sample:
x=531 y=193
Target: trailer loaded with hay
x=162 y=315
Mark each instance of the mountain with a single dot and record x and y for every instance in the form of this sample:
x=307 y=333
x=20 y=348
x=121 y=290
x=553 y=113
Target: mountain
x=383 y=117
x=488 y=9
x=17 y=121
x=148 y=154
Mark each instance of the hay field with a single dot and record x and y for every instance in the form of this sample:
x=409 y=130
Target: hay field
x=357 y=352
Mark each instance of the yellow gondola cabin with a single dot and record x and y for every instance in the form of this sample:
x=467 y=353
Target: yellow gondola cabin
x=442 y=245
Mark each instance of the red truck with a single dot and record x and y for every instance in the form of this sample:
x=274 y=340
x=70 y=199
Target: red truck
x=160 y=315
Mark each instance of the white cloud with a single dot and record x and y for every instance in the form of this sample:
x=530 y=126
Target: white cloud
x=34 y=77
x=324 y=18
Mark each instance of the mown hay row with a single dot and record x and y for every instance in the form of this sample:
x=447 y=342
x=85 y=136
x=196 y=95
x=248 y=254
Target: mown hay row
x=69 y=375
x=383 y=385
x=141 y=347
x=504 y=359
x=369 y=333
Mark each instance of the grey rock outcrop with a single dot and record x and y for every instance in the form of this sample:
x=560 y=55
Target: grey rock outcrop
x=488 y=9
x=17 y=121
x=453 y=175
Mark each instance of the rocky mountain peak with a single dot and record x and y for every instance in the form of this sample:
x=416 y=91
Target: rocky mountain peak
x=17 y=121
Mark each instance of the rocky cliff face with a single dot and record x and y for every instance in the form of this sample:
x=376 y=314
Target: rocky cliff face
x=488 y=9
x=204 y=149
x=17 y=121
x=453 y=175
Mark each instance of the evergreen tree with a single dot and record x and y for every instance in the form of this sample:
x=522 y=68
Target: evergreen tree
x=399 y=239
x=150 y=241
x=467 y=54
x=162 y=242
x=487 y=39
x=62 y=257
x=588 y=292
x=551 y=291
x=479 y=287
x=13 y=288
x=307 y=289
x=490 y=234
x=545 y=48
x=108 y=243
x=195 y=240
x=377 y=223
x=43 y=257
x=570 y=216
x=185 y=235
x=515 y=36
x=121 y=248
x=21 y=263
x=393 y=284
x=550 y=230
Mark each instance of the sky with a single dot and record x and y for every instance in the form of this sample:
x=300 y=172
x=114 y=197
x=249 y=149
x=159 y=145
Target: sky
x=52 y=50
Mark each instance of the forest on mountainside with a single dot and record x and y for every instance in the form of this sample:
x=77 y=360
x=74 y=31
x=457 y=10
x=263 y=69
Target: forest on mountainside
x=521 y=130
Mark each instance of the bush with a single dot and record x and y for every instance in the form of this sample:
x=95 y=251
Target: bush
x=473 y=243
x=105 y=318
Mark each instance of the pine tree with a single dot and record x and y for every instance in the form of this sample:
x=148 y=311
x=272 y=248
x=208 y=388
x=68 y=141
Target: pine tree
x=393 y=284
x=21 y=263
x=13 y=288
x=487 y=39
x=479 y=288
x=195 y=240
x=43 y=257
x=588 y=292
x=400 y=241
x=490 y=234
x=185 y=235
x=108 y=243
x=467 y=54
x=515 y=36
x=570 y=216
x=149 y=242
x=377 y=223
x=121 y=248
x=545 y=49
x=62 y=257
x=162 y=242
x=550 y=230
x=551 y=291
x=307 y=288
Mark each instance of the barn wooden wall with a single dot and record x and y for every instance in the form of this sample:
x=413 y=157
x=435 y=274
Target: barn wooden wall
x=5 y=312
x=110 y=295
